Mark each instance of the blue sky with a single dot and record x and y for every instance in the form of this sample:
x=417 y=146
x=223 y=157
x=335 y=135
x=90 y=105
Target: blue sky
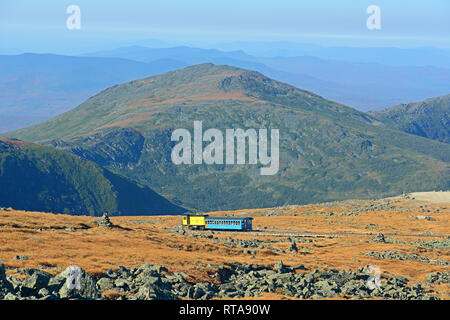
x=40 y=26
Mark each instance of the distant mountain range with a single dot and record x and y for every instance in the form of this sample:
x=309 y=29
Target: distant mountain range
x=429 y=118
x=391 y=56
x=363 y=84
x=38 y=178
x=327 y=151
x=36 y=87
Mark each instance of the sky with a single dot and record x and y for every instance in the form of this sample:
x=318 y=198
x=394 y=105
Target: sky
x=40 y=26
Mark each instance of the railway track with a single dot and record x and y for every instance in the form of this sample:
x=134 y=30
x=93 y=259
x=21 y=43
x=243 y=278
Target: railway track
x=290 y=233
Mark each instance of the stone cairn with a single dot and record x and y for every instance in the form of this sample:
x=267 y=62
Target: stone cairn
x=379 y=238
x=105 y=221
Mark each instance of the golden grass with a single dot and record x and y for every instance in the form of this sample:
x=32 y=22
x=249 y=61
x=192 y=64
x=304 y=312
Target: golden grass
x=46 y=239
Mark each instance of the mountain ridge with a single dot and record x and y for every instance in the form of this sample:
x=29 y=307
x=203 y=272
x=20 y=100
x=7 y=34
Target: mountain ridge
x=36 y=87
x=429 y=118
x=328 y=151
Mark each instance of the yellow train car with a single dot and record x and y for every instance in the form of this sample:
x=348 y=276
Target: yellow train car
x=194 y=221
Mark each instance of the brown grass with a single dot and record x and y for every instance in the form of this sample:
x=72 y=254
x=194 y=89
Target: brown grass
x=46 y=239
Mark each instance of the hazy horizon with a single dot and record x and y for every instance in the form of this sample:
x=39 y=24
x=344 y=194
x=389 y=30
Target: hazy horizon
x=26 y=26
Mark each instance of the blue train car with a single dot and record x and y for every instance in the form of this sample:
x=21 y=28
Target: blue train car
x=228 y=223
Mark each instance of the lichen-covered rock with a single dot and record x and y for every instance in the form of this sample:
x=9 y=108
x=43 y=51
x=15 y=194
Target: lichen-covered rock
x=105 y=284
x=5 y=285
x=38 y=280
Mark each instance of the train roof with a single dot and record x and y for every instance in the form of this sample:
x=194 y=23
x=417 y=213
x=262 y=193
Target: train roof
x=229 y=218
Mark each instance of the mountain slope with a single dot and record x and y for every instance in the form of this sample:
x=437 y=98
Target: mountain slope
x=327 y=151
x=429 y=118
x=39 y=178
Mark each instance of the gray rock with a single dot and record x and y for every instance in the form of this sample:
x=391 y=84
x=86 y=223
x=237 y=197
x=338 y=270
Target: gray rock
x=15 y=283
x=293 y=246
x=38 y=280
x=122 y=283
x=21 y=258
x=198 y=292
x=438 y=277
x=298 y=267
x=105 y=284
x=280 y=267
x=11 y=296
x=5 y=285
x=379 y=238
x=147 y=267
x=123 y=272
x=153 y=281
x=43 y=292
x=148 y=292
x=87 y=289
x=105 y=221
x=110 y=273
x=326 y=288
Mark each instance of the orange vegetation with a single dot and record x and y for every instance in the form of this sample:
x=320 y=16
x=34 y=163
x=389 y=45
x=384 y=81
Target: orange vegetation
x=55 y=241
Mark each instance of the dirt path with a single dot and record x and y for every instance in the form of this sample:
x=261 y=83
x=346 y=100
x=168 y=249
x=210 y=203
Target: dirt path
x=433 y=196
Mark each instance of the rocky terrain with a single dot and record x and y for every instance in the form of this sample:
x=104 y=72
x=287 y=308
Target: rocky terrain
x=149 y=282
x=315 y=251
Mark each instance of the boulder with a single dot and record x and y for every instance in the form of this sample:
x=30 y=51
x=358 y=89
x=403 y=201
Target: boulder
x=147 y=267
x=280 y=267
x=379 y=238
x=149 y=292
x=37 y=281
x=5 y=285
x=10 y=296
x=105 y=284
x=293 y=246
x=122 y=283
x=67 y=290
